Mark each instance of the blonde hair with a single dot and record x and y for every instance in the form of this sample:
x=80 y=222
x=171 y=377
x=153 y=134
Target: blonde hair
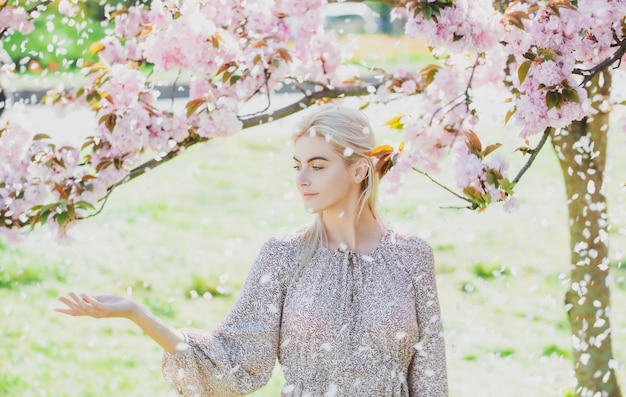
x=349 y=132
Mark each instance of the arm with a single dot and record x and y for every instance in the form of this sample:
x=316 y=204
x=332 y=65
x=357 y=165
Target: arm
x=238 y=356
x=102 y=306
x=427 y=372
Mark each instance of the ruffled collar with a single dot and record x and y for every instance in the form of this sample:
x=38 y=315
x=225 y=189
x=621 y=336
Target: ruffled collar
x=344 y=252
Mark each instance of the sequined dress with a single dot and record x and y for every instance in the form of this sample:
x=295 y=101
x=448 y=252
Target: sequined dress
x=350 y=324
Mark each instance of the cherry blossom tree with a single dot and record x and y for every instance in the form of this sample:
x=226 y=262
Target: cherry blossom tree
x=552 y=60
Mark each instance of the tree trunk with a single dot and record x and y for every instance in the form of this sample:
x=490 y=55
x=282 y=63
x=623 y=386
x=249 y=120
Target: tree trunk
x=581 y=150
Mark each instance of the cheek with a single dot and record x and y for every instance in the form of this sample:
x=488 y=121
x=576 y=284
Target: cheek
x=338 y=180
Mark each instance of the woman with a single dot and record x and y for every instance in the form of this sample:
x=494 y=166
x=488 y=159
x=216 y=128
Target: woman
x=348 y=306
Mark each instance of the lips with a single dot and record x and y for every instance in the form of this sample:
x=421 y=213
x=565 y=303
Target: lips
x=307 y=196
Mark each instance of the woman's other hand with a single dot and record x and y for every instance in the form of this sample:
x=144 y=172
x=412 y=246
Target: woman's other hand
x=99 y=306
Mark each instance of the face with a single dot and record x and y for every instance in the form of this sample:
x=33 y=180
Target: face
x=325 y=182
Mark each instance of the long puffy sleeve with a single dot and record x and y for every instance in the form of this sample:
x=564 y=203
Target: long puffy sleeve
x=427 y=372
x=239 y=355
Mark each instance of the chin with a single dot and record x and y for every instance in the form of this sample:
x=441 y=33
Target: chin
x=311 y=210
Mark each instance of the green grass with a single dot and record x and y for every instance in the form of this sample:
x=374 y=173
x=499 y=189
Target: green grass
x=490 y=271
x=57 y=42
x=204 y=216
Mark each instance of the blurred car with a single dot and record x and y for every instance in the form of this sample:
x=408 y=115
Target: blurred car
x=350 y=18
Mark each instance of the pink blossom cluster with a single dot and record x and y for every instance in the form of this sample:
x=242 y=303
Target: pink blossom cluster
x=68 y=8
x=401 y=82
x=600 y=20
x=445 y=120
x=37 y=173
x=229 y=53
x=548 y=41
x=443 y=116
x=15 y=19
x=472 y=174
x=16 y=194
x=556 y=44
x=130 y=121
x=467 y=25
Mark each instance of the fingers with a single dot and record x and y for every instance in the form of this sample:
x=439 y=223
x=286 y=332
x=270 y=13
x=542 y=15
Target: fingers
x=72 y=308
x=91 y=301
x=83 y=305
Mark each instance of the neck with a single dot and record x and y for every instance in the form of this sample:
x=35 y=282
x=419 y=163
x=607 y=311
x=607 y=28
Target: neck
x=347 y=229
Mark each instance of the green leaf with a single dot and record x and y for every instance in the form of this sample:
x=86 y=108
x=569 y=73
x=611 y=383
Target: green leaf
x=61 y=218
x=87 y=144
x=474 y=195
x=103 y=164
x=571 y=94
x=193 y=105
x=427 y=11
x=552 y=99
x=71 y=212
x=85 y=205
x=109 y=121
x=524 y=150
x=457 y=37
x=491 y=148
x=234 y=79
x=522 y=72
x=547 y=54
x=227 y=75
x=506 y=185
x=529 y=55
x=45 y=212
x=510 y=114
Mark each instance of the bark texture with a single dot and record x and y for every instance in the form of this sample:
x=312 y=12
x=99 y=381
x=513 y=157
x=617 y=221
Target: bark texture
x=581 y=149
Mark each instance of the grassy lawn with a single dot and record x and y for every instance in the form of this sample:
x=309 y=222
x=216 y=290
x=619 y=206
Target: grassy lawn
x=390 y=53
x=196 y=224
x=369 y=51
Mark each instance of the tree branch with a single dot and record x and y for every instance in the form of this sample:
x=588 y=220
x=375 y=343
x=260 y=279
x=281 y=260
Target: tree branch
x=295 y=107
x=473 y=205
x=305 y=102
x=533 y=154
x=589 y=73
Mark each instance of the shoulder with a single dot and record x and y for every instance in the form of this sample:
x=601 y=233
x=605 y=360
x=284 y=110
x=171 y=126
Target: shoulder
x=410 y=244
x=415 y=254
x=284 y=245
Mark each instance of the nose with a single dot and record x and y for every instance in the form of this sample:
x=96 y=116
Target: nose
x=302 y=178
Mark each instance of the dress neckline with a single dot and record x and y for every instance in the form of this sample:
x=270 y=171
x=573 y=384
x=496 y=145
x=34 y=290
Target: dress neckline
x=339 y=252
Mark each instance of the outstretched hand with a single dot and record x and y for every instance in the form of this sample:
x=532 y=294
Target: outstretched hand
x=99 y=306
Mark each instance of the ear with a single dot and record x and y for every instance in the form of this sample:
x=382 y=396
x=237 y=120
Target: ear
x=360 y=170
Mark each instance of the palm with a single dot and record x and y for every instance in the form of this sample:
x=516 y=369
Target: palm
x=96 y=306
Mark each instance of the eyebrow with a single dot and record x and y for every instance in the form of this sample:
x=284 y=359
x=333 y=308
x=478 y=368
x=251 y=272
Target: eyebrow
x=312 y=159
